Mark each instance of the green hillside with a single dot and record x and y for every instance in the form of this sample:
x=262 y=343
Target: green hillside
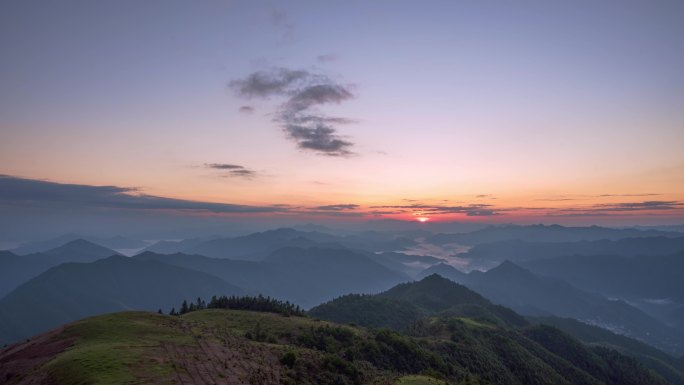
x=402 y=305
x=243 y=347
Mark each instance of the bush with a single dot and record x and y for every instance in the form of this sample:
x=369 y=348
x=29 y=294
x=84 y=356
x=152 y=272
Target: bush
x=289 y=359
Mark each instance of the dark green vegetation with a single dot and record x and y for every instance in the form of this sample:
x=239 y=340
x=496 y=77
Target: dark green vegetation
x=669 y=367
x=243 y=347
x=435 y=296
x=404 y=304
x=258 y=303
x=75 y=290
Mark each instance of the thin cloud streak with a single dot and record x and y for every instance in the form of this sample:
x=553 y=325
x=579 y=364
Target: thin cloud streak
x=233 y=170
x=15 y=190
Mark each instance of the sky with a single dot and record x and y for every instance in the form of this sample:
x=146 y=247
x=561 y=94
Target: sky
x=484 y=111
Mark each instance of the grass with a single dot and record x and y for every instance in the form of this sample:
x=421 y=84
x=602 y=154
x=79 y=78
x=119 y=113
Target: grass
x=109 y=348
x=239 y=322
x=117 y=348
x=475 y=324
x=419 y=380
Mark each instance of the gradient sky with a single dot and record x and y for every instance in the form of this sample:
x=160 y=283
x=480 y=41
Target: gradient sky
x=529 y=111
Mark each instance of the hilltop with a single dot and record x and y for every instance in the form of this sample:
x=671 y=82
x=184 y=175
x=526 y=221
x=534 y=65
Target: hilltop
x=245 y=347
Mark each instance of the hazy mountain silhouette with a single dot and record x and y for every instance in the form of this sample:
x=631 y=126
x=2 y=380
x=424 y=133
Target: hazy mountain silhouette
x=75 y=290
x=307 y=276
x=16 y=269
x=642 y=277
x=519 y=250
x=116 y=242
x=544 y=233
x=407 y=264
x=446 y=271
x=257 y=246
x=515 y=287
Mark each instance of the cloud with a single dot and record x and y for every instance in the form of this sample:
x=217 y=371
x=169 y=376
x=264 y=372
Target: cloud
x=20 y=191
x=303 y=92
x=339 y=207
x=246 y=109
x=232 y=170
x=623 y=208
x=471 y=210
x=628 y=195
x=280 y=20
x=329 y=57
x=263 y=84
x=639 y=206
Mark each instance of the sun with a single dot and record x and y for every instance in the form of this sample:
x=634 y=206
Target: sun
x=422 y=219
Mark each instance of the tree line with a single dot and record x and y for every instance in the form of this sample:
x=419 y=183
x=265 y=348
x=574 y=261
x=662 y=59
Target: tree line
x=253 y=303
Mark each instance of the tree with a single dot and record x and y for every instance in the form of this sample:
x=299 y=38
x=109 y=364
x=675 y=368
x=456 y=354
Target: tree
x=184 y=307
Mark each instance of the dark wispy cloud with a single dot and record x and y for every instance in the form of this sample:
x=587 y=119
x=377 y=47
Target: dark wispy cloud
x=340 y=207
x=621 y=208
x=20 y=191
x=639 y=206
x=303 y=92
x=281 y=21
x=246 y=109
x=471 y=210
x=232 y=170
x=628 y=195
x=329 y=57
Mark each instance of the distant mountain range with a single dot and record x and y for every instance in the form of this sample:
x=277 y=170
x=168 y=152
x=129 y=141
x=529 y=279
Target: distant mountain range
x=307 y=276
x=517 y=250
x=72 y=291
x=116 y=242
x=544 y=233
x=15 y=269
x=257 y=246
x=513 y=286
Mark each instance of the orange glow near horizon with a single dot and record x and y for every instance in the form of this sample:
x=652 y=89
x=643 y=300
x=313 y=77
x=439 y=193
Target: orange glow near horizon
x=422 y=219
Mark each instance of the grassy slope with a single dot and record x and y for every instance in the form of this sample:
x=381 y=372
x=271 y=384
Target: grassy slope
x=242 y=347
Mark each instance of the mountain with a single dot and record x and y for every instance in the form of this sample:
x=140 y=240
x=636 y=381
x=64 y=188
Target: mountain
x=446 y=271
x=172 y=247
x=15 y=269
x=116 y=242
x=513 y=286
x=518 y=250
x=656 y=277
x=245 y=347
x=544 y=233
x=404 y=304
x=666 y=365
x=75 y=290
x=257 y=246
x=40 y=246
x=307 y=276
x=408 y=264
